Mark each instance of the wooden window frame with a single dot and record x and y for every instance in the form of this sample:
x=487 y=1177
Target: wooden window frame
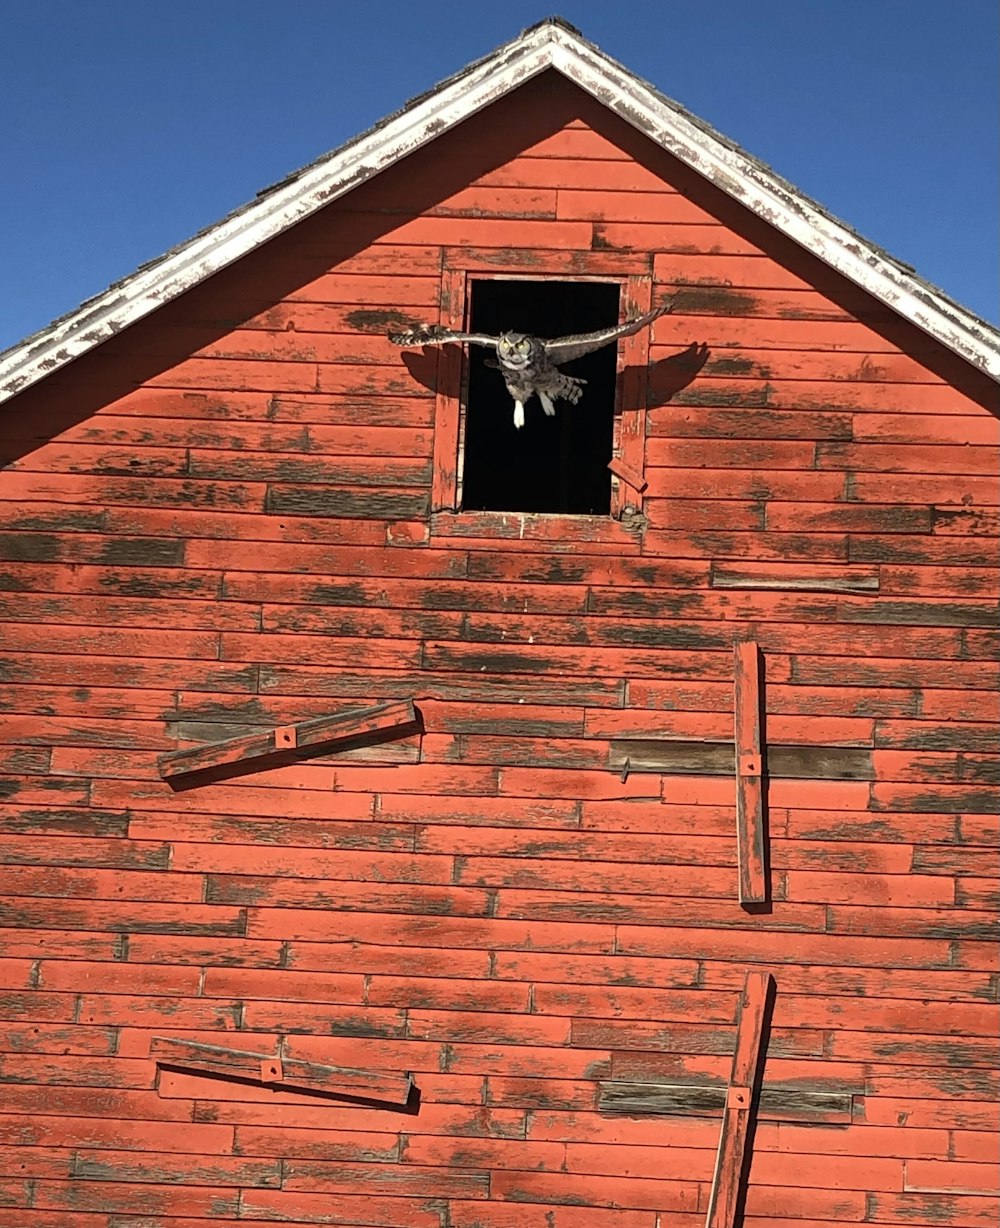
x=630 y=271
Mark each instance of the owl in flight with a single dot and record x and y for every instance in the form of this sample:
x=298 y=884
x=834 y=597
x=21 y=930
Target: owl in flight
x=530 y=365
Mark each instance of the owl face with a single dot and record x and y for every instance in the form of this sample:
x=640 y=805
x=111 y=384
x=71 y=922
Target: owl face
x=516 y=351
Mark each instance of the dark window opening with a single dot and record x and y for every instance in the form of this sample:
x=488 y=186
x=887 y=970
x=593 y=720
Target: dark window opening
x=557 y=464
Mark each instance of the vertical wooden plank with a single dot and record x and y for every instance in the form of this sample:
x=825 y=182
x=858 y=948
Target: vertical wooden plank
x=732 y=1162
x=445 y=483
x=629 y=444
x=751 y=819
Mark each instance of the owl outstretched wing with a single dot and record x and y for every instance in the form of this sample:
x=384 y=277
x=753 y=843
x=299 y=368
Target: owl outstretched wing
x=435 y=334
x=564 y=349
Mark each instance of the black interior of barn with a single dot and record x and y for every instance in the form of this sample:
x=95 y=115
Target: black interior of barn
x=556 y=464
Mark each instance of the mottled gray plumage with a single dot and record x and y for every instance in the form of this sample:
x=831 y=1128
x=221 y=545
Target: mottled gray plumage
x=530 y=365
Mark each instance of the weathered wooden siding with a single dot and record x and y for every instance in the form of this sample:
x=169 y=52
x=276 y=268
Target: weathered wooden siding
x=219 y=522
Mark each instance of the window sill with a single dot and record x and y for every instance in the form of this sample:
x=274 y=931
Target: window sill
x=540 y=530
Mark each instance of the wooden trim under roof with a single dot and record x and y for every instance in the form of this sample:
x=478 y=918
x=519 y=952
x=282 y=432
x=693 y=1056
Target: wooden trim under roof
x=552 y=44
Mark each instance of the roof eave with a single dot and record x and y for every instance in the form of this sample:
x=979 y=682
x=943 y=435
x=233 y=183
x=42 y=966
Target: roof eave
x=549 y=45
x=771 y=198
x=165 y=279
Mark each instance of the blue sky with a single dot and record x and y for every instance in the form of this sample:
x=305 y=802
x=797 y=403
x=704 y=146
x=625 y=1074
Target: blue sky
x=128 y=126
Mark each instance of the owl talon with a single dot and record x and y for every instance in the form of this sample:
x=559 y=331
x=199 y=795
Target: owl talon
x=547 y=405
x=518 y=415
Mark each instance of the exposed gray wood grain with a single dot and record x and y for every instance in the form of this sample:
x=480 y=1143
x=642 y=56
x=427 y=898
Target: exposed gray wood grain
x=716 y=759
x=852 y=581
x=776 y=1102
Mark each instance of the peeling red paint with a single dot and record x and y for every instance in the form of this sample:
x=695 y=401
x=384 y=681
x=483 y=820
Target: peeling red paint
x=484 y=901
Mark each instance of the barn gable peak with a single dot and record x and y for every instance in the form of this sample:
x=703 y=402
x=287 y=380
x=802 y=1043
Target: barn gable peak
x=551 y=44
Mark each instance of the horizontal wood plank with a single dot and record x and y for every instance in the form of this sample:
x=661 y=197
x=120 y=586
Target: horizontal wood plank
x=681 y=1099
x=671 y=757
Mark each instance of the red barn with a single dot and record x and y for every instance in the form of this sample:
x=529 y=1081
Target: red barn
x=413 y=821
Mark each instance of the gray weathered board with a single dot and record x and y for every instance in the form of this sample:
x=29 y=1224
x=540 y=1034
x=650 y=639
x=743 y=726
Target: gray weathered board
x=707 y=1100
x=716 y=759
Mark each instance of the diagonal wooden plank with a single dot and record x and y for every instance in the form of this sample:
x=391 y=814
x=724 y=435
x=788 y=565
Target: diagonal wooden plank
x=299 y=741
x=750 y=814
x=732 y=1161
x=630 y=476
x=276 y=1070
